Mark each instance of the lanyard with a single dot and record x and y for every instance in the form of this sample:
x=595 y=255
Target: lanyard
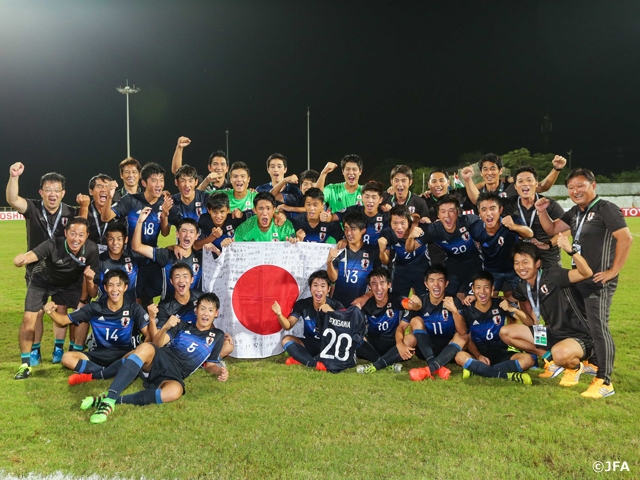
x=80 y=262
x=533 y=215
x=535 y=305
x=95 y=217
x=499 y=190
x=50 y=230
x=580 y=224
x=395 y=202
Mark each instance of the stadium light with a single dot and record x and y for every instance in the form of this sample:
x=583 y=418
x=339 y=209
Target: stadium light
x=308 y=142
x=128 y=91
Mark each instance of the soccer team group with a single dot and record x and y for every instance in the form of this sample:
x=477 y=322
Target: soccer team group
x=467 y=274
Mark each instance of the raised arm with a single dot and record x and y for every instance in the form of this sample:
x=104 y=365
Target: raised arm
x=176 y=162
x=277 y=188
x=331 y=271
x=522 y=230
x=286 y=323
x=467 y=179
x=161 y=338
x=517 y=313
x=385 y=254
x=13 y=199
x=583 y=270
x=328 y=168
x=136 y=239
x=551 y=227
x=106 y=213
x=558 y=164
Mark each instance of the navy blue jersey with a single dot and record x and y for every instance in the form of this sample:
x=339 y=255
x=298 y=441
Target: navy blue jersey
x=303 y=310
x=419 y=258
x=415 y=204
x=185 y=312
x=111 y=329
x=129 y=262
x=496 y=248
x=166 y=259
x=206 y=226
x=130 y=207
x=291 y=194
x=438 y=321
x=323 y=232
x=383 y=321
x=342 y=331
x=375 y=225
x=195 y=209
x=461 y=251
x=190 y=347
x=484 y=327
x=353 y=268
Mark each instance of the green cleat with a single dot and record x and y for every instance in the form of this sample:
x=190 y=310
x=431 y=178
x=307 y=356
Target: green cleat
x=466 y=373
x=106 y=408
x=92 y=402
x=395 y=368
x=519 y=377
x=23 y=372
x=369 y=368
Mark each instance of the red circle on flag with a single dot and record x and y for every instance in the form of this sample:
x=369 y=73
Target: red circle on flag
x=254 y=294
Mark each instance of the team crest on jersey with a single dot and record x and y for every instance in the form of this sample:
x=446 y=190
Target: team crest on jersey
x=195 y=267
x=497 y=319
x=128 y=267
x=500 y=241
x=209 y=341
x=445 y=314
x=412 y=209
x=390 y=313
x=503 y=194
x=82 y=260
x=467 y=212
x=544 y=289
x=125 y=321
x=590 y=216
x=466 y=236
x=365 y=263
x=322 y=236
x=359 y=200
x=378 y=227
x=64 y=221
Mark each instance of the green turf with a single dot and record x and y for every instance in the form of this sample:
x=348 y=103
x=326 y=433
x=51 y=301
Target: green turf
x=274 y=421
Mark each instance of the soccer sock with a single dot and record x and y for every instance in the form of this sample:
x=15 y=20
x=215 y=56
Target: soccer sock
x=77 y=348
x=389 y=358
x=508 y=366
x=108 y=372
x=547 y=355
x=86 y=366
x=446 y=355
x=72 y=346
x=58 y=343
x=25 y=358
x=143 y=397
x=366 y=351
x=126 y=374
x=300 y=353
x=36 y=347
x=499 y=370
x=424 y=344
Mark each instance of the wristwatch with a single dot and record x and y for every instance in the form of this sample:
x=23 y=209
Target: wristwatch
x=574 y=250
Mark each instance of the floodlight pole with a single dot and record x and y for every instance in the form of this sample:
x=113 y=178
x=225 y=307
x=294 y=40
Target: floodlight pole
x=570 y=152
x=227 y=132
x=308 y=142
x=127 y=90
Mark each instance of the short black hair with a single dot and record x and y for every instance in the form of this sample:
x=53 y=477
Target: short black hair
x=491 y=158
x=116 y=272
x=373 y=186
x=525 y=168
x=149 y=169
x=526 y=248
x=580 y=172
x=218 y=153
x=188 y=221
x=52 y=177
x=319 y=275
x=216 y=201
x=351 y=158
x=179 y=266
x=436 y=268
x=186 y=171
x=482 y=275
x=78 y=221
x=489 y=197
x=116 y=227
x=130 y=162
x=405 y=169
x=209 y=297
x=277 y=156
x=240 y=166
x=355 y=220
x=314 y=193
x=448 y=198
x=264 y=196
x=309 y=175
x=438 y=170
x=401 y=211
x=100 y=176
x=379 y=272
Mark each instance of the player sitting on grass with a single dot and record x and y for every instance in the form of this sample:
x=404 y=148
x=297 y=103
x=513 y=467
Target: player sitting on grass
x=548 y=293
x=439 y=329
x=113 y=323
x=218 y=227
x=178 y=350
x=307 y=310
x=487 y=355
x=262 y=227
x=316 y=225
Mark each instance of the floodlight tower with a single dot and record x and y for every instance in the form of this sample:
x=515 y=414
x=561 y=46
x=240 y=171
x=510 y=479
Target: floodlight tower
x=308 y=142
x=128 y=91
x=227 y=132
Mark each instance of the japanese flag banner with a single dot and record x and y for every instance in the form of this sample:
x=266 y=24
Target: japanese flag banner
x=248 y=277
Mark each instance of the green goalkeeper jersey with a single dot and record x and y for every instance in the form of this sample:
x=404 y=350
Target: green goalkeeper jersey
x=338 y=198
x=244 y=204
x=248 y=231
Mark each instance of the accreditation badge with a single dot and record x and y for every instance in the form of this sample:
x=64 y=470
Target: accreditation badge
x=540 y=335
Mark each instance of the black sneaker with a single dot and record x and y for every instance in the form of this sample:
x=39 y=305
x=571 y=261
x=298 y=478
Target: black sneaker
x=23 y=372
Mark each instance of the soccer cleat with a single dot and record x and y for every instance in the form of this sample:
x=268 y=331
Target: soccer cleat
x=292 y=361
x=571 y=376
x=443 y=373
x=466 y=373
x=419 y=374
x=589 y=368
x=35 y=358
x=57 y=355
x=598 y=389
x=23 y=372
x=78 y=378
x=105 y=408
x=395 y=368
x=369 y=368
x=519 y=377
x=92 y=402
x=320 y=367
x=551 y=369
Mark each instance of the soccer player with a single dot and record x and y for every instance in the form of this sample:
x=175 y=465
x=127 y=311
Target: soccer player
x=178 y=350
x=240 y=197
x=218 y=167
x=99 y=186
x=277 y=167
x=601 y=235
x=377 y=220
x=339 y=196
x=262 y=227
x=45 y=219
x=411 y=257
x=294 y=204
x=497 y=236
x=113 y=323
x=187 y=232
x=130 y=174
x=487 y=355
x=59 y=274
x=452 y=234
x=349 y=269
x=191 y=203
x=401 y=181
x=306 y=309
x=550 y=295
x=310 y=227
x=439 y=331
x=218 y=226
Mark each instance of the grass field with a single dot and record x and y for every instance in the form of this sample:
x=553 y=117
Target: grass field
x=274 y=421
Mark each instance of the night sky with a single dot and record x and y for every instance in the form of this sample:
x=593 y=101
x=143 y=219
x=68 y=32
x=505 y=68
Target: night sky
x=422 y=82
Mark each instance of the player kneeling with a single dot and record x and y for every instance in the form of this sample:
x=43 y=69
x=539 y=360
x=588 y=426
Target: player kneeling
x=487 y=355
x=177 y=351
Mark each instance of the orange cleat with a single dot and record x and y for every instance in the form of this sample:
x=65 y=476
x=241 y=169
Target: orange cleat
x=78 y=378
x=320 y=367
x=419 y=374
x=292 y=361
x=443 y=373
